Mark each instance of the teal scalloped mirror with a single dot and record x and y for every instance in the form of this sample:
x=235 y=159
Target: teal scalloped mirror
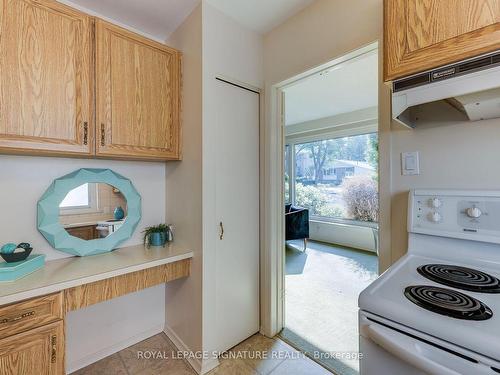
x=89 y=211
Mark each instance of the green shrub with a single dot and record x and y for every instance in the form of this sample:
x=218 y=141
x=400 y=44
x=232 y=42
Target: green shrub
x=311 y=197
x=360 y=195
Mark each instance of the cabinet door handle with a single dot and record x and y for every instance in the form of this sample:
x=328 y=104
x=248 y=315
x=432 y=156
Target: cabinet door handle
x=53 y=353
x=85 y=133
x=103 y=135
x=19 y=317
x=221 y=235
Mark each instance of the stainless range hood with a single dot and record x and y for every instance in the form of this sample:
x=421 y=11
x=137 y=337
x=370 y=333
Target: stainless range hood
x=465 y=91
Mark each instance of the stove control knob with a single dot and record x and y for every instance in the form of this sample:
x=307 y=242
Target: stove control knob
x=435 y=202
x=473 y=212
x=435 y=217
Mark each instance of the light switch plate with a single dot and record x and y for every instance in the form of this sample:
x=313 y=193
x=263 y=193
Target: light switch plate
x=410 y=163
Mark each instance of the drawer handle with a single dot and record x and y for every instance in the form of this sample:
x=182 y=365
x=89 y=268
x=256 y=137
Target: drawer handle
x=221 y=232
x=16 y=318
x=53 y=354
x=103 y=135
x=85 y=133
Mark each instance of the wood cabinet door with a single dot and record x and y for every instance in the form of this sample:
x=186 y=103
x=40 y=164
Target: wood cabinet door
x=46 y=75
x=39 y=351
x=138 y=89
x=424 y=34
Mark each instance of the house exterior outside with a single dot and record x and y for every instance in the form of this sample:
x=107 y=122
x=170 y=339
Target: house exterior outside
x=334 y=172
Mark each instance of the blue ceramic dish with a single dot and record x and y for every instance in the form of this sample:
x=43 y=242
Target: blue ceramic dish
x=17 y=257
x=8 y=248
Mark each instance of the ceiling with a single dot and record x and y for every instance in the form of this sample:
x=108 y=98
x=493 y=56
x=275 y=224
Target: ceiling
x=154 y=18
x=347 y=87
x=260 y=15
x=159 y=18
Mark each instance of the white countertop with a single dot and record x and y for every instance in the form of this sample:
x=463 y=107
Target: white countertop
x=67 y=273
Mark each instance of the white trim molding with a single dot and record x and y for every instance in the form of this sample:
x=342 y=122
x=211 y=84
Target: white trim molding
x=201 y=366
x=355 y=122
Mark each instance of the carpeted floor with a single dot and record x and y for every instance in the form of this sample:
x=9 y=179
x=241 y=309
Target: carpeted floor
x=321 y=301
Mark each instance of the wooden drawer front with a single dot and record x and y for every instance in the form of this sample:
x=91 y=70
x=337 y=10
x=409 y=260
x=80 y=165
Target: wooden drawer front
x=89 y=294
x=29 y=314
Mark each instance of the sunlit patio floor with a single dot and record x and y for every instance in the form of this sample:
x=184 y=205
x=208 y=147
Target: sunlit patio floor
x=322 y=286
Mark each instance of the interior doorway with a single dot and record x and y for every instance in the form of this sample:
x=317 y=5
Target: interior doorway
x=330 y=121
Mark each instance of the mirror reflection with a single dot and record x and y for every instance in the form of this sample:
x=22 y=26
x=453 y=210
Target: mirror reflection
x=92 y=211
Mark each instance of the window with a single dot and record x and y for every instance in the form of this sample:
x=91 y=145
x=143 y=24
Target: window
x=80 y=200
x=78 y=197
x=336 y=178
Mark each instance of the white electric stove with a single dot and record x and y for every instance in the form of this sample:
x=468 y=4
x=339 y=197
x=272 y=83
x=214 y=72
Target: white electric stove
x=437 y=310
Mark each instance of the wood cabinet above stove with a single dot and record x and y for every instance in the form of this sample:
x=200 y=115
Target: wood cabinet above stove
x=424 y=34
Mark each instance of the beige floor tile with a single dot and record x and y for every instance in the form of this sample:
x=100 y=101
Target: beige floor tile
x=258 y=355
x=264 y=354
x=109 y=365
x=304 y=366
x=233 y=367
x=170 y=367
x=156 y=358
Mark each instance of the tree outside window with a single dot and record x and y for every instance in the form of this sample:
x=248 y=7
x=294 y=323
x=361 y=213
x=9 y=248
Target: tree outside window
x=337 y=178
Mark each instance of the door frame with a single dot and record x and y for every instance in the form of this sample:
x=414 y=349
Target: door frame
x=272 y=204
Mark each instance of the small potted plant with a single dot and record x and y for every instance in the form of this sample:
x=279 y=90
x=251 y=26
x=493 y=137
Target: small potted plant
x=155 y=235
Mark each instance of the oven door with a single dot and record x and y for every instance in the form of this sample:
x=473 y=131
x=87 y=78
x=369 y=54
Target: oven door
x=390 y=350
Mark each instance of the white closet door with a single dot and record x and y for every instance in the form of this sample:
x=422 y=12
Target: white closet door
x=237 y=209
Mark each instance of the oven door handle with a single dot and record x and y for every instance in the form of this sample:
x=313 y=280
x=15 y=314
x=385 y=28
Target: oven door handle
x=407 y=350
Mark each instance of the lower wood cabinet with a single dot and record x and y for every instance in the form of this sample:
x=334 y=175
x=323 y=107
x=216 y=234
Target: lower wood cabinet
x=39 y=351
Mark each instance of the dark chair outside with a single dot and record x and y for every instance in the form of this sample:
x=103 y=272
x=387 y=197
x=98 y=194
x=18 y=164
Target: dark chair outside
x=296 y=224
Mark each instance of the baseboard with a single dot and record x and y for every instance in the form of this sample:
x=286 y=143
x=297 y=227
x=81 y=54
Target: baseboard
x=103 y=353
x=200 y=366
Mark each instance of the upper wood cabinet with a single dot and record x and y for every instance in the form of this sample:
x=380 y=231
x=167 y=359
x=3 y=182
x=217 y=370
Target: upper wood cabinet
x=138 y=95
x=424 y=34
x=46 y=78
x=73 y=85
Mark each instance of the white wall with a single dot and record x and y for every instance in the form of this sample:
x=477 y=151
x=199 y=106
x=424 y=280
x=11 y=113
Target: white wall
x=355 y=236
x=97 y=331
x=213 y=44
x=184 y=186
x=452 y=156
x=23 y=180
